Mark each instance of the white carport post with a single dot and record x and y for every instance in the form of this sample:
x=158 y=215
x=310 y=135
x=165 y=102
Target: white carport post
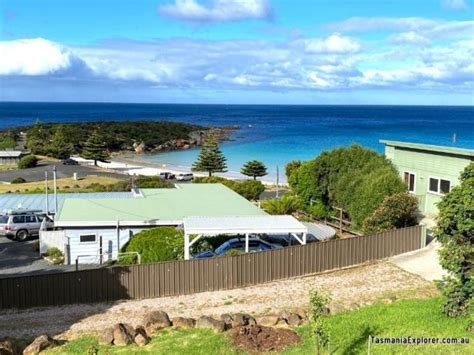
x=186 y=246
x=304 y=238
x=246 y=242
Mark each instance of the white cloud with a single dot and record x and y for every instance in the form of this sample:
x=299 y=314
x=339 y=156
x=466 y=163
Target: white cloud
x=33 y=57
x=335 y=43
x=217 y=10
x=411 y=37
x=455 y=4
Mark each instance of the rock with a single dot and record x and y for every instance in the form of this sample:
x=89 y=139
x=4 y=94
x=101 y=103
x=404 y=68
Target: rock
x=303 y=313
x=227 y=319
x=268 y=321
x=210 y=323
x=123 y=334
x=156 y=320
x=139 y=148
x=107 y=337
x=293 y=320
x=282 y=323
x=183 y=323
x=241 y=319
x=6 y=347
x=141 y=337
x=39 y=344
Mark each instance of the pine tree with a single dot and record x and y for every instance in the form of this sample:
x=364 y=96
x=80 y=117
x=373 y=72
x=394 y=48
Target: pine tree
x=59 y=147
x=95 y=149
x=254 y=168
x=210 y=158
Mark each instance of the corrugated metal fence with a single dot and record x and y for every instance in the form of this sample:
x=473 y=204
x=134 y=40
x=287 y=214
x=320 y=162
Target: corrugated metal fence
x=199 y=275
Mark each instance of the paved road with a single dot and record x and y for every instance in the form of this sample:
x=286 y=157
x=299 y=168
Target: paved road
x=63 y=171
x=18 y=259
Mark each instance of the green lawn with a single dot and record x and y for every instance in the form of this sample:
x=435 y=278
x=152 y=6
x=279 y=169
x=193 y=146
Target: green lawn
x=349 y=334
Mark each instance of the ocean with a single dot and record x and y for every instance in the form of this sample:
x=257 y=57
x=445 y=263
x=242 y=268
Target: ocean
x=273 y=134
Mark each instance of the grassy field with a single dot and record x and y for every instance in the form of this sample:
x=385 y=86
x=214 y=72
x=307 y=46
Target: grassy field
x=6 y=167
x=64 y=185
x=349 y=334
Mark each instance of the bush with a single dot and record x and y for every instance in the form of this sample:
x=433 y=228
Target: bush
x=18 y=180
x=250 y=189
x=396 y=211
x=29 y=161
x=157 y=244
x=318 y=210
x=291 y=167
x=287 y=204
x=56 y=255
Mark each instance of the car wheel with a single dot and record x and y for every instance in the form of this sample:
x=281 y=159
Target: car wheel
x=22 y=235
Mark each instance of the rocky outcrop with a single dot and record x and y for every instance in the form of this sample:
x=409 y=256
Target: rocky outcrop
x=124 y=334
x=141 y=337
x=107 y=337
x=39 y=344
x=6 y=347
x=268 y=321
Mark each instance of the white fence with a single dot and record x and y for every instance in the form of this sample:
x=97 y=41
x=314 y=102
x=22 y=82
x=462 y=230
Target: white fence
x=49 y=239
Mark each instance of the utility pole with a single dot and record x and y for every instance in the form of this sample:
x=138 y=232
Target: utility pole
x=46 y=191
x=55 y=191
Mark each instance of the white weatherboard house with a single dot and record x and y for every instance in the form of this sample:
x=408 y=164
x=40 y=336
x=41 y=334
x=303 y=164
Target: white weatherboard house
x=94 y=229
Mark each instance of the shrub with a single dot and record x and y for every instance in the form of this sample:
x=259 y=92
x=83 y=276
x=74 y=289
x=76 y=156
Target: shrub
x=234 y=252
x=318 y=303
x=250 y=189
x=291 y=167
x=317 y=210
x=18 y=180
x=287 y=204
x=29 y=161
x=157 y=244
x=56 y=255
x=396 y=211
x=455 y=232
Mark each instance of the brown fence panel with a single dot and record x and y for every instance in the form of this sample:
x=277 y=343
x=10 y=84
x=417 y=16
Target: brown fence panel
x=186 y=277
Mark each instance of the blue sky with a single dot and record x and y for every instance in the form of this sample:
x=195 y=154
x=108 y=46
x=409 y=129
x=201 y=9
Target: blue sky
x=238 y=51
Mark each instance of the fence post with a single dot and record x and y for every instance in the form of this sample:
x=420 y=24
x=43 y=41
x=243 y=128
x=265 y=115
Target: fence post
x=423 y=236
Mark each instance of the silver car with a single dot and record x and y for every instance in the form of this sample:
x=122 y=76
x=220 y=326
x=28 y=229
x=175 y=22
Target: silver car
x=21 y=225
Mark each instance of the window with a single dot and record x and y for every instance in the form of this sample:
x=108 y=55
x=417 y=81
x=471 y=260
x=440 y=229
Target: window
x=30 y=219
x=409 y=179
x=18 y=219
x=439 y=186
x=88 y=238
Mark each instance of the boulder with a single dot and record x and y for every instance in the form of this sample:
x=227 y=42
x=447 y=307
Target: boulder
x=39 y=344
x=139 y=147
x=303 y=313
x=210 y=323
x=268 y=321
x=227 y=319
x=6 y=347
x=183 y=323
x=141 y=337
x=293 y=320
x=282 y=323
x=107 y=337
x=238 y=320
x=156 y=320
x=124 y=334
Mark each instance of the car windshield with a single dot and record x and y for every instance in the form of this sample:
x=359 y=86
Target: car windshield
x=3 y=219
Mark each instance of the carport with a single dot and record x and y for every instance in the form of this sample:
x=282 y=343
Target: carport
x=196 y=227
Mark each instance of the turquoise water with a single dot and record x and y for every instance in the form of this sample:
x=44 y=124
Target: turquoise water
x=272 y=134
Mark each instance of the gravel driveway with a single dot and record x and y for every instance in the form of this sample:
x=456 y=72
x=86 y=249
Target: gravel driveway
x=348 y=288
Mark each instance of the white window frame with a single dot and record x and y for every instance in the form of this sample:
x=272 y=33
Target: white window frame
x=414 y=180
x=438 y=193
x=87 y=234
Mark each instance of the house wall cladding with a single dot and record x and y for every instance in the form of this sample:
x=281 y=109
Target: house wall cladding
x=200 y=275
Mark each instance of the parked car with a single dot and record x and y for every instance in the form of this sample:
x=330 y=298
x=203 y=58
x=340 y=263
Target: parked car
x=287 y=240
x=70 y=161
x=167 y=175
x=255 y=245
x=22 y=225
x=185 y=177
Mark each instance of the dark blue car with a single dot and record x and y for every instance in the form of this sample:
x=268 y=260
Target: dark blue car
x=237 y=244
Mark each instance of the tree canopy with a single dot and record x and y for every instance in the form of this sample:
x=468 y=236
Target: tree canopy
x=59 y=147
x=95 y=149
x=455 y=232
x=254 y=168
x=210 y=159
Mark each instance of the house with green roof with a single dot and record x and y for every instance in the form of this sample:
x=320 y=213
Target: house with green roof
x=430 y=171
x=94 y=229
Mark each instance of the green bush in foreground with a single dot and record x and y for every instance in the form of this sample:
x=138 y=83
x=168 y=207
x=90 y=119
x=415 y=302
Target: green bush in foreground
x=287 y=204
x=156 y=244
x=455 y=231
x=29 y=161
x=250 y=189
